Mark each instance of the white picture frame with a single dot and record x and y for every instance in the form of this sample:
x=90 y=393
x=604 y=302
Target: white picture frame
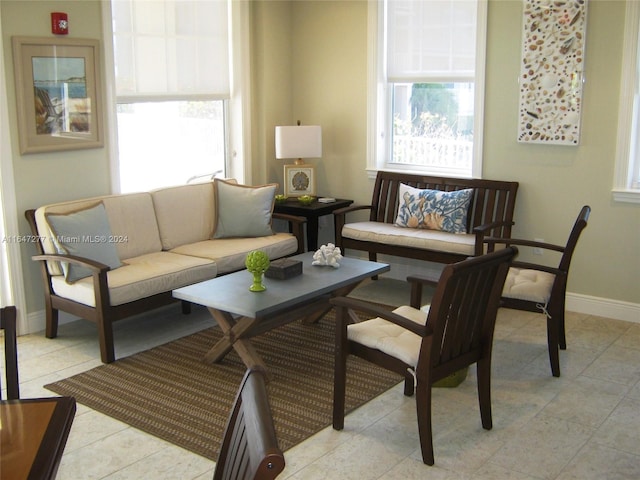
x=58 y=93
x=299 y=180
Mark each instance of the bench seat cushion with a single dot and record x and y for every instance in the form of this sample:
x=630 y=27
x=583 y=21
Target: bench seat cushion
x=141 y=277
x=229 y=253
x=386 y=233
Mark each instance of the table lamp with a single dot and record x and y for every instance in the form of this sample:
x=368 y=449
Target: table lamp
x=299 y=141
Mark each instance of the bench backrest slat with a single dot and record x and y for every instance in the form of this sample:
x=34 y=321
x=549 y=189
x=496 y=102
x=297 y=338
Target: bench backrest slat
x=493 y=200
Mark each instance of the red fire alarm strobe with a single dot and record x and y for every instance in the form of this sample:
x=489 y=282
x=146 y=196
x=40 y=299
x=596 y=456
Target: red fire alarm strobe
x=59 y=23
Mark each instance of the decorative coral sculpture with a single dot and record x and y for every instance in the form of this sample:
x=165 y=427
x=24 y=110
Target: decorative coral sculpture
x=327 y=254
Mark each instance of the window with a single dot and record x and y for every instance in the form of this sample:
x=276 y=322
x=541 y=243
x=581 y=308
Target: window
x=428 y=77
x=172 y=78
x=627 y=171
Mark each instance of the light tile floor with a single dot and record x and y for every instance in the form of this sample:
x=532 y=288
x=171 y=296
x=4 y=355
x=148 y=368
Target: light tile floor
x=583 y=425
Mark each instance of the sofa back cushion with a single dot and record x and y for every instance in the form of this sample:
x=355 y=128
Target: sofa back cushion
x=85 y=233
x=243 y=210
x=185 y=213
x=131 y=218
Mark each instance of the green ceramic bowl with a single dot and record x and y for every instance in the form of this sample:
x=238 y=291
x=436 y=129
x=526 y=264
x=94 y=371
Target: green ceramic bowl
x=306 y=199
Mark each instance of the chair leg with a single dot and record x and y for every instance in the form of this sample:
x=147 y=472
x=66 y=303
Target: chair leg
x=409 y=384
x=484 y=392
x=340 y=370
x=186 y=307
x=553 y=341
x=373 y=257
x=423 y=408
x=105 y=336
x=561 y=327
x=51 y=329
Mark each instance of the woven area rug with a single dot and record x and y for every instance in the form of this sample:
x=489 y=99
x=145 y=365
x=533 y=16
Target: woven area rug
x=170 y=393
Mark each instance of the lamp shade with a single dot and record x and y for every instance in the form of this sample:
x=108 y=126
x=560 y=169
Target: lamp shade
x=301 y=141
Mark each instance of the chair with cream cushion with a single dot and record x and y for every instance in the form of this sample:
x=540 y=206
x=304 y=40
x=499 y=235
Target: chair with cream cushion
x=540 y=288
x=430 y=343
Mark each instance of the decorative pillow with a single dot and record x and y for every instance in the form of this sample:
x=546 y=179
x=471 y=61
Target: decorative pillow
x=434 y=209
x=84 y=233
x=243 y=210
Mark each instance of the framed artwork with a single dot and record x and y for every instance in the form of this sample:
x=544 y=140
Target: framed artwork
x=553 y=52
x=299 y=180
x=58 y=93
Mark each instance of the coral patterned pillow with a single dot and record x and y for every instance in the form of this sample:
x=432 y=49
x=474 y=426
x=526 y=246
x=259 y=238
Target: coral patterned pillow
x=434 y=209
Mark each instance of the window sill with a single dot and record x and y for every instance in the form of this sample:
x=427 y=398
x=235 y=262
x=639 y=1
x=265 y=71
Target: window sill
x=626 y=196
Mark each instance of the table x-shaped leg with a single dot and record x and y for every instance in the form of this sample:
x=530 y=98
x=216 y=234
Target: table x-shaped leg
x=234 y=338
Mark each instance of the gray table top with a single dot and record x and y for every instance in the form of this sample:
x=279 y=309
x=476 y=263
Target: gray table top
x=230 y=293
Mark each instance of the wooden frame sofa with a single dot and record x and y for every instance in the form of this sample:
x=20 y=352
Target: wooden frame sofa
x=490 y=211
x=156 y=242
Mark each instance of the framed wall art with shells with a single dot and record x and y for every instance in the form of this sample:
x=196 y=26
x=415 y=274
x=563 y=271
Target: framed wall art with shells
x=551 y=77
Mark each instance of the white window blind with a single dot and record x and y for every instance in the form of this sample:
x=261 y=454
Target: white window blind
x=431 y=40
x=627 y=169
x=171 y=48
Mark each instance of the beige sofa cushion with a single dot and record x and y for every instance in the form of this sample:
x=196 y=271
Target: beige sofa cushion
x=131 y=218
x=185 y=214
x=141 y=277
x=387 y=233
x=230 y=253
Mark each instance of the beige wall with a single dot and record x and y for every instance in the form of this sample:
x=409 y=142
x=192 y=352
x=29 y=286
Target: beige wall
x=310 y=63
x=49 y=177
x=329 y=87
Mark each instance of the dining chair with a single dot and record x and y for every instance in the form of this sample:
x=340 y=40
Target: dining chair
x=427 y=344
x=8 y=324
x=543 y=289
x=250 y=448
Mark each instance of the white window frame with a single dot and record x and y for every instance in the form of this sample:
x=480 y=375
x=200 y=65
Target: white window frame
x=237 y=108
x=379 y=95
x=628 y=145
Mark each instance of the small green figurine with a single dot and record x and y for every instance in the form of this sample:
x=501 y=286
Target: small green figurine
x=257 y=263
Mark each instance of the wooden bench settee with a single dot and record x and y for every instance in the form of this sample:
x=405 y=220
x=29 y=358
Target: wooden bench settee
x=490 y=213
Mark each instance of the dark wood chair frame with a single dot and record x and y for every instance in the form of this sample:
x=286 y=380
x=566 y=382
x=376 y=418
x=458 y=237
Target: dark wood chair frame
x=458 y=333
x=104 y=314
x=8 y=320
x=555 y=308
x=490 y=214
x=249 y=449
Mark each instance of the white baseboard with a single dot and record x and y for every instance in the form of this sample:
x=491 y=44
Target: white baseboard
x=575 y=302
x=603 y=307
x=36 y=321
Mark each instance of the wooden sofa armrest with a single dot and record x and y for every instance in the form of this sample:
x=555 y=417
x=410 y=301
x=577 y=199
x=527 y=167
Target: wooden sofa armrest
x=80 y=261
x=351 y=208
x=376 y=311
x=340 y=218
x=536 y=266
x=417 y=282
x=296 y=227
x=481 y=230
x=491 y=242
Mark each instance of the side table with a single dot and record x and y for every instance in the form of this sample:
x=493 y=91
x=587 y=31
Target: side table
x=311 y=212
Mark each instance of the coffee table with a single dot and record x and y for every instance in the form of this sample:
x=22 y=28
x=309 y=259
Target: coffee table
x=242 y=314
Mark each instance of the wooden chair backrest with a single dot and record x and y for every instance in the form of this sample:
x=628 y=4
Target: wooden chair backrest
x=8 y=324
x=250 y=448
x=463 y=312
x=579 y=225
x=493 y=200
